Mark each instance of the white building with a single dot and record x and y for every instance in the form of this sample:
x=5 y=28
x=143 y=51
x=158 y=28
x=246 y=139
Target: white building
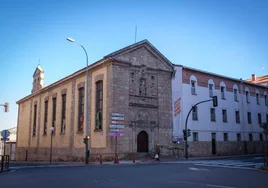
x=231 y=128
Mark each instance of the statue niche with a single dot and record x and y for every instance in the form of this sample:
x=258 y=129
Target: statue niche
x=143 y=87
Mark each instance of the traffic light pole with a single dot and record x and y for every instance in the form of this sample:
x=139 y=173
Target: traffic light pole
x=186 y=139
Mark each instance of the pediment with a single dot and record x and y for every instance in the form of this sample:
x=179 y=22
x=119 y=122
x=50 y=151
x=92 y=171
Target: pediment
x=143 y=53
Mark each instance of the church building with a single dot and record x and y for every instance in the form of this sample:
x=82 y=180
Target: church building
x=133 y=83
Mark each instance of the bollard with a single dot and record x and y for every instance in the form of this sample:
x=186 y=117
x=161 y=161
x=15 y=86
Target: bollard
x=100 y=158
x=133 y=158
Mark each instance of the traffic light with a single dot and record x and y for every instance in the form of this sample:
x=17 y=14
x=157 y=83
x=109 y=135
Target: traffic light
x=215 y=101
x=188 y=132
x=6 y=105
x=184 y=134
x=85 y=140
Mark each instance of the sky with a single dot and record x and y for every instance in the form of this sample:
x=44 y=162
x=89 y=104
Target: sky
x=227 y=37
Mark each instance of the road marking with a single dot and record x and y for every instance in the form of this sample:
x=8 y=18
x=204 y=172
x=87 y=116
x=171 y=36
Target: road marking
x=220 y=186
x=221 y=166
x=207 y=185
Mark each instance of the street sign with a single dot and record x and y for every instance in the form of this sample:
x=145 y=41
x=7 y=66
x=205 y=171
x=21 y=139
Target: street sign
x=117 y=126
x=116 y=134
x=118 y=118
x=118 y=115
x=5 y=134
x=116 y=130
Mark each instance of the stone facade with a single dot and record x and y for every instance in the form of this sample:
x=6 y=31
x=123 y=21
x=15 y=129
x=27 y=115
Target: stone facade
x=136 y=83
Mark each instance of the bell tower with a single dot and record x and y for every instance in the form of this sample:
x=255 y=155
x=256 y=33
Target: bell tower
x=38 y=79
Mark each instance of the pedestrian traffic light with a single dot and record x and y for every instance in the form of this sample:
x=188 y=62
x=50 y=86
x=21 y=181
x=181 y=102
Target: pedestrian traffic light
x=184 y=134
x=188 y=132
x=6 y=105
x=215 y=101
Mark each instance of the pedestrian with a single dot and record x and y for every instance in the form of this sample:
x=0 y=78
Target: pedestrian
x=157 y=153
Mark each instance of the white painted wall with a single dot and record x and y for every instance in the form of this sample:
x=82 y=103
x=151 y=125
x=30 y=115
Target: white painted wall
x=204 y=126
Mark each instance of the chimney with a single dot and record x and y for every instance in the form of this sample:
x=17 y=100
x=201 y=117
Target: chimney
x=253 y=77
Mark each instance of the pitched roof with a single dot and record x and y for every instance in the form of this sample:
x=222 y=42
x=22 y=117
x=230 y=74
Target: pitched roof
x=38 y=68
x=103 y=60
x=259 y=80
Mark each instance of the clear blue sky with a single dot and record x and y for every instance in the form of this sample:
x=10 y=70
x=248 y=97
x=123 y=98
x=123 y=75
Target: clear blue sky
x=225 y=37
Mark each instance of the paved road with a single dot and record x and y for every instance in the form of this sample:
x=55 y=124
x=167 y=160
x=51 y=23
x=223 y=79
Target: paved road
x=245 y=162
x=135 y=176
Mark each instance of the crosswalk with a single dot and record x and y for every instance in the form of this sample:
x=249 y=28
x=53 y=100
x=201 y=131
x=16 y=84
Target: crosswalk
x=224 y=163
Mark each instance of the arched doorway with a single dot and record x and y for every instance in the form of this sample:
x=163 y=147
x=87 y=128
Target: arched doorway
x=142 y=142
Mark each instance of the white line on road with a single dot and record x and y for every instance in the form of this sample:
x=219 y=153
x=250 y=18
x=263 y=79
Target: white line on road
x=220 y=166
x=220 y=186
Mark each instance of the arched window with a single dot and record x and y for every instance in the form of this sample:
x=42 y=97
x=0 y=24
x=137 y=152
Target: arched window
x=223 y=90
x=266 y=100
x=247 y=91
x=257 y=96
x=99 y=105
x=193 y=83
x=211 y=87
x=235 y=90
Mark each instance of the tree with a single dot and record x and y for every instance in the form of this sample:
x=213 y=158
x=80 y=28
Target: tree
x=265 y=129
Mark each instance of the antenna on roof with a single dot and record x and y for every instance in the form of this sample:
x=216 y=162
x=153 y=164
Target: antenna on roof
x=135 y=34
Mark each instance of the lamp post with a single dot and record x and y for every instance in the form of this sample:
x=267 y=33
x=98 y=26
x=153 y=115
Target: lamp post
x=51 y=133
x=86 y=111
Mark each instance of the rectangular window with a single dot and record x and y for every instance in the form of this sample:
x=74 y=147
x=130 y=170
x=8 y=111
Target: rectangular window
x=212 y=114
x=247 y=96
x=193 y=87
x=237 y=116
x=210 y=90
x=81 y=95
x=249 y=118
x=224 y=116
x=266 y=100
x=261 y=137
x=45 y=117
x=194 y=113
x=63 y=113
x=258 y=98
x=99 y=105
x=222 y=92
x=266 y=118
x=34 y=123
x=250 y=137
x=225 y=136
x=238 y=137
x=259 y=119
x=195 y=136
x=54 y=103
x=235 y=95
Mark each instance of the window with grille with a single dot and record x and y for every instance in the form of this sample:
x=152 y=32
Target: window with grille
x=237 y=116
x=212 y=114
x=247 y=96
x=258 y=98
x=34 y=122
x=222 y=92
x=235 y=95
x=249 y=118
x=250 y=137
x=259 y=119
x=99 y=105
x=210 y=90
x=63 y=113
x=238 y=137
x=195 y=136
x=224 y=116
x=225 y=136
x=193 y=87
x=45 y=117
x=194 y=113
x=81 y=94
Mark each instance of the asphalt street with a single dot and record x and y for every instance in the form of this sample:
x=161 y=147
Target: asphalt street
x=135 y=176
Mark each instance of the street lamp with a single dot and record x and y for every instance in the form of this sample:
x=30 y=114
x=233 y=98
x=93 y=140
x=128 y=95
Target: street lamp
x=51 y=133
x=86 y=111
